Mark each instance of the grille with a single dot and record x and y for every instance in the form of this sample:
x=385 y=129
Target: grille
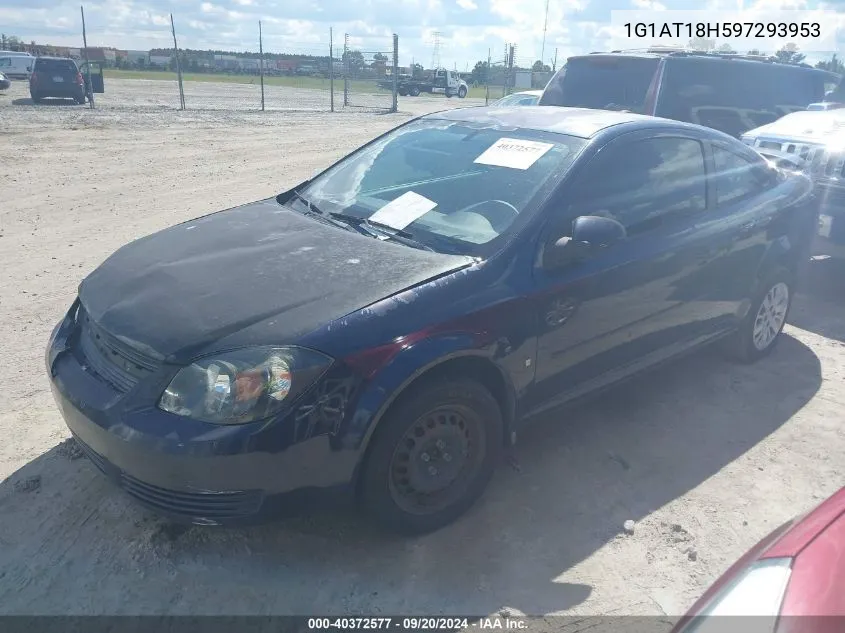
x=206 y=505
x=820 y=162
x=112 y=360
x=192 y=505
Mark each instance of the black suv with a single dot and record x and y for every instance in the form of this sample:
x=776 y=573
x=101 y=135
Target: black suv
x=731 y=93
x=56 y=77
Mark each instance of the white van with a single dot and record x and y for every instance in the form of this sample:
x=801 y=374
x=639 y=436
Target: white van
x=16 y=65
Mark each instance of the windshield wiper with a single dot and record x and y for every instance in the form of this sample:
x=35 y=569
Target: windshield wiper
x=316 y=212
x=378 y=229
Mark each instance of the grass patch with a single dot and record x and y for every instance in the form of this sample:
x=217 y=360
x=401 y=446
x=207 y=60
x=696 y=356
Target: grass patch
x=313 y=83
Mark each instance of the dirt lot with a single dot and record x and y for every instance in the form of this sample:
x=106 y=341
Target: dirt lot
x=705 y=456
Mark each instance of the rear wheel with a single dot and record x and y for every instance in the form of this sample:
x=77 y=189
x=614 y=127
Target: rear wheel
x=432 y=456
x=761 y=328
x=414 y=91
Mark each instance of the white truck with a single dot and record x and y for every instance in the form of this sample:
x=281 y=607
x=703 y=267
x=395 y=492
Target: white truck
x=16 y=65
x=441 y=81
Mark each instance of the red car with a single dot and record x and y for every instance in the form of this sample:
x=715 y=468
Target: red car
x=797 y=570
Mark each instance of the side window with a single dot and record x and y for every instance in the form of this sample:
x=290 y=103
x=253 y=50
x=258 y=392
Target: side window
x=5 y=62
x=641 y=183
x=737 y=177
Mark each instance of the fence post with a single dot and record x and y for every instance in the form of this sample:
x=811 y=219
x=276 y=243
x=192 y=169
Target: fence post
x=261 y=62
x=178 y=65
x=90 y=89
x=395 y=105
x=346 y=69
x=487 y=74
x=331 y=67
x=510 y=75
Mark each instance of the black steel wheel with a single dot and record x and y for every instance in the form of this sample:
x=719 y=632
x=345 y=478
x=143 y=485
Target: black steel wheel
x=433 y=457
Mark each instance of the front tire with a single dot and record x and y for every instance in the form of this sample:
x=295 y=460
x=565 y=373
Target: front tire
x=462 y=92
x=760 y=330
x=433 y=456
x=414 y=91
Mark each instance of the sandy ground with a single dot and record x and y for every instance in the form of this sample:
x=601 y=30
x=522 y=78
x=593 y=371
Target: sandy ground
x=705 y=456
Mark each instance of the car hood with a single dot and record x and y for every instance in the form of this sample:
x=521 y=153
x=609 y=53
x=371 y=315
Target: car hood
x=181 y=289
x=814 y=126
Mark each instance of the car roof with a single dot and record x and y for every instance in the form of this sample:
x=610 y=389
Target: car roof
x=653 y=53
x=53 y=58
x=581 y=122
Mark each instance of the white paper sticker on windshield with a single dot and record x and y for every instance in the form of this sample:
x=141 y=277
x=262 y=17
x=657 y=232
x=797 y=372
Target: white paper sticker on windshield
x=400 y=212
x=514 y=153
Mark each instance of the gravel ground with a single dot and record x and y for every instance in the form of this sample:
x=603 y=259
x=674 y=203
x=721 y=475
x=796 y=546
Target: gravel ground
x=704 y=456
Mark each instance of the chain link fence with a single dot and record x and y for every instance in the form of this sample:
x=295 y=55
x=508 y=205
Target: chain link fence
x=339 y=71
x=368 y=75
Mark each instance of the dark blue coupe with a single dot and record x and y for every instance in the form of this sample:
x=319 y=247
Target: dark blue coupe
x=381 y=332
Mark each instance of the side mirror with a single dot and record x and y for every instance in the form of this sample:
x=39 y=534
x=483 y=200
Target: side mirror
x=597 y=231
x=589 y=233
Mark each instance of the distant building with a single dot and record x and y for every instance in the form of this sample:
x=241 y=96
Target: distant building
x=138 y=58
x=160 y=60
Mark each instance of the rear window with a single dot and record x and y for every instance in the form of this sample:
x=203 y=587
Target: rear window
x=56 y=65
x=735 y=96
x=602 y=82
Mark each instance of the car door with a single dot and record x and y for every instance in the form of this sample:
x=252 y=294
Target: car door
x=746 y=203
x=627 y=305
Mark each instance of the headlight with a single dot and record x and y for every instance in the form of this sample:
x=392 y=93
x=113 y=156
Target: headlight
x=758 y=591
x=243 y=385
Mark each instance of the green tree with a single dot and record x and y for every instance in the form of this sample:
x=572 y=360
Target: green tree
x=789 y=54
x=416 y=71
x=540 y=67
x=834 y=64
x=354 y=60
x=726 y=48
x=480 y=72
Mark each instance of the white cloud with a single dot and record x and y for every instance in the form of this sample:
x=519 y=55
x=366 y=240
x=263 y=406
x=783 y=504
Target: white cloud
x=468 y=5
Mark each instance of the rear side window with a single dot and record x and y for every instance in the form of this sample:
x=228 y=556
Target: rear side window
x=602 y=82
x=5 y=62
x=737 y=177
x=734 y=96
x=56 y=65
x=640 y=183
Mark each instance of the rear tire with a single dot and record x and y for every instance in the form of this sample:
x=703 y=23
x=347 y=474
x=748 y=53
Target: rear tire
x=432 y=456
x=760 y=330
x=414 y=91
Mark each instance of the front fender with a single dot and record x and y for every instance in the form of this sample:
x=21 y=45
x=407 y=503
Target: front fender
x=404 y=367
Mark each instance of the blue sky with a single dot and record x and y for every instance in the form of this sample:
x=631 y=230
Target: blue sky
x=468 y=28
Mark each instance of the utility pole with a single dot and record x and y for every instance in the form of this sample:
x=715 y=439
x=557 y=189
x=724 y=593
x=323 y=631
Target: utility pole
x=178 y=64
x=89 y=89
x=545 y=26
x=554 y=63
x=261 y=61
x=435 y=56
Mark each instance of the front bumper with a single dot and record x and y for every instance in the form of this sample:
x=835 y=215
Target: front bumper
x=187 y=470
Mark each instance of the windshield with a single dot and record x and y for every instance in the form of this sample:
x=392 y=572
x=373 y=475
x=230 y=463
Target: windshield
x=602 y=82
x=452 y=186
x=56 y=65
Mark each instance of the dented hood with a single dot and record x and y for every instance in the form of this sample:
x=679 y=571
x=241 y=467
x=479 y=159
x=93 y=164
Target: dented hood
x=185 y=287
